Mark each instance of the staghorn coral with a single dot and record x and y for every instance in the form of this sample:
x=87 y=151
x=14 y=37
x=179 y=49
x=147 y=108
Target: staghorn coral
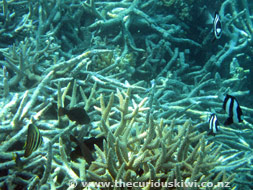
x=162 y=152
x=24 y=59
x=168 y=3
x=158 y=128
x=157 y=148
x=15 y=21
x=184 y=8
x=165 y=152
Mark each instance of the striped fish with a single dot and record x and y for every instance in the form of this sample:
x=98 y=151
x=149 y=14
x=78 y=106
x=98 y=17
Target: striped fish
x=232 y=108
x=33 y=141
x=217 y=26
x=213 y=125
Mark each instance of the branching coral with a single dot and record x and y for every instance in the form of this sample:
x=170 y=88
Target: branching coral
x=24 y=60
x=13 y=22
x=162 y=152
x=101 y=57
x=168 y=3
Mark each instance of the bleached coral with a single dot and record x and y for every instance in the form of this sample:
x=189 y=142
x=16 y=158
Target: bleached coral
x=153 y=132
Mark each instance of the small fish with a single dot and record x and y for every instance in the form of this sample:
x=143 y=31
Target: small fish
x=84 y=149
x=217 y=26
x=78 y=115
x=232 y=108
x=33 y=141
x=213 y=125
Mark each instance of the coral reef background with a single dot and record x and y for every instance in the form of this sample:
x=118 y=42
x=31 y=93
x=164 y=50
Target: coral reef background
x=148 y=75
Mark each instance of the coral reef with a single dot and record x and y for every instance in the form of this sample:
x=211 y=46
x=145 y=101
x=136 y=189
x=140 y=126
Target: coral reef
x=147 y=75
x=164 y=153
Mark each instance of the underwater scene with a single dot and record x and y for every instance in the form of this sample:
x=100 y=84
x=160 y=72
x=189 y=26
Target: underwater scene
x=126 y=94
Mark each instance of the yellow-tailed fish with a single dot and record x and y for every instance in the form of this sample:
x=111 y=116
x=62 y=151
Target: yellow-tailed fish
x=33 y=141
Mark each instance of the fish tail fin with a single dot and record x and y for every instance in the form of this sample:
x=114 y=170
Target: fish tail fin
x=61 y=111
x=211 y=133
x=228 y=121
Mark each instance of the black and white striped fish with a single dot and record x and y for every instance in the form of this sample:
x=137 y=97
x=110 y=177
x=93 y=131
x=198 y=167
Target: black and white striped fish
x=232 y=108
x=213 y=125
x=217 y=26
x=33 y=141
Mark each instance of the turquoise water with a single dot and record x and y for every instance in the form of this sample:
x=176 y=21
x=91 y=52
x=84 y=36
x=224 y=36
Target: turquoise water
x=147 y=74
